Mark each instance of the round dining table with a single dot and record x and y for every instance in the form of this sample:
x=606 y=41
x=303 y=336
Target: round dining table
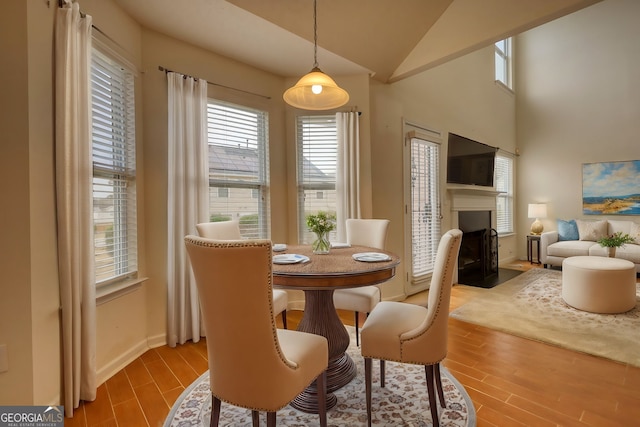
x=319 y=277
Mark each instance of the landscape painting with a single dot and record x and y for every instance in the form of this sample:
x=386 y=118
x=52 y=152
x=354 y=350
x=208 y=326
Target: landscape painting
x=611 y=188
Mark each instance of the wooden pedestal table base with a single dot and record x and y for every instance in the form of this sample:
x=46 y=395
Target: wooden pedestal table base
x=320 y=317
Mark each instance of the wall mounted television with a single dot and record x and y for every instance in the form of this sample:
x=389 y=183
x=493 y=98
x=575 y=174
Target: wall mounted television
x=469 y=162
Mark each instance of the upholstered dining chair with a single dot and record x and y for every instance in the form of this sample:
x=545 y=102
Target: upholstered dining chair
x=409 y=333
x=230 y=230
x=363 y=232
x=268 y=367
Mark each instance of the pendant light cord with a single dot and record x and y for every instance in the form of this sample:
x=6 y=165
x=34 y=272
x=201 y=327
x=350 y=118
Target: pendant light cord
x=315 y=34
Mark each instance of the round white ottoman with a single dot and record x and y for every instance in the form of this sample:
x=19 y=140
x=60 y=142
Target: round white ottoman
x=599 y=284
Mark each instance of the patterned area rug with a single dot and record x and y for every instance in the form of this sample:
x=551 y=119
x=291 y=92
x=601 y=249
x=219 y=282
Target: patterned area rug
x=531 y=306
x=403 y=402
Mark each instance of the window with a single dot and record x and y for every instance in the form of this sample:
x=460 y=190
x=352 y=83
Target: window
x=422 y=153
x=114 y=169
x=317 y=153
x=504 y=184
x=503 y=62
x=238 y=167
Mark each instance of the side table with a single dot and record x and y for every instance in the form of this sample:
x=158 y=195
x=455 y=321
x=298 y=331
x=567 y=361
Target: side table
x=530 y=239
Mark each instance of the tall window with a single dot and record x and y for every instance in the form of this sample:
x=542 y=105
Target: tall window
x=504 y=184
x=503 y=62
x=238 y=167
x=423 y=207
x=317 y=154
x=114 y=169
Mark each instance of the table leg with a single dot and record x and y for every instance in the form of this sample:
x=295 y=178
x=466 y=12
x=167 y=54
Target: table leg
x=320 y=317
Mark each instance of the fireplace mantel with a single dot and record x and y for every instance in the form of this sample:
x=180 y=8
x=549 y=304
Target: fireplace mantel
x=472 y=198
x=472 y=189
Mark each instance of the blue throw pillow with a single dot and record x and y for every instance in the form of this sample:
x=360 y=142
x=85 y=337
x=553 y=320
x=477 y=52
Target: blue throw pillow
x=567 y=230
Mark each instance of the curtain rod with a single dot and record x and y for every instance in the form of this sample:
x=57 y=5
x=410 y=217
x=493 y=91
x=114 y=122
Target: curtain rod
x=166 y=70
x=61 y=4
x=516 y=154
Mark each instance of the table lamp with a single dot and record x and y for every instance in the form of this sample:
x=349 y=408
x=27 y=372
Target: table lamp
x=537 y=211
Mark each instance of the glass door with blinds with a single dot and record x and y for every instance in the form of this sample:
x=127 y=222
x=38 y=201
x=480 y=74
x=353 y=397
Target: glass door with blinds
x=422 y=206
x=238 y=167
x=317 y=158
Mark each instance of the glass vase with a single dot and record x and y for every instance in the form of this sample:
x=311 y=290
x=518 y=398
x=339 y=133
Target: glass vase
x=321 y=245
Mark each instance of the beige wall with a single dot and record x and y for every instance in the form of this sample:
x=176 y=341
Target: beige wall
x=578 y=103
x=460 y=96
x=15 y=263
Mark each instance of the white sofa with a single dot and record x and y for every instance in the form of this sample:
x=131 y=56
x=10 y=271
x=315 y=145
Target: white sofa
x=557 y=245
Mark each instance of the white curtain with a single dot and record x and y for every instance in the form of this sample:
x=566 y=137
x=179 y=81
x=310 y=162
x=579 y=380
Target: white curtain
x=348 y=171
x=187 y=201
x=74 y=204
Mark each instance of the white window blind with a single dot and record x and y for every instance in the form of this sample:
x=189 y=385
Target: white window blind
x=424 y=209
x=114 y=169
x=238 y=167
x=504 y=185
x=317 y=153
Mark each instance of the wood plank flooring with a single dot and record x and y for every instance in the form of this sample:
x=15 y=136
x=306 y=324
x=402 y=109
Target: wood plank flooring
x=512 y=381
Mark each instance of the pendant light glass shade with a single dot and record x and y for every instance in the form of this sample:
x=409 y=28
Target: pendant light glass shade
x=316 y=91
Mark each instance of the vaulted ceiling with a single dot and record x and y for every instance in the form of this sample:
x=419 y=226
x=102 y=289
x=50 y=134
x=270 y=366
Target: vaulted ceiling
x=388 y=39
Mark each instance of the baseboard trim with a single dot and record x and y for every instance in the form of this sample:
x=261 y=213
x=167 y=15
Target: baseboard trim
x=119 y=363
x=509 y=260
x=157 y=340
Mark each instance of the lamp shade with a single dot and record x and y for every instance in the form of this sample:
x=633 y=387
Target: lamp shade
x=316 y=91
x=537 y=210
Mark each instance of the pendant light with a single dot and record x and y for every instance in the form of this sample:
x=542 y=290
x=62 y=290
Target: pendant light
x=316 y=90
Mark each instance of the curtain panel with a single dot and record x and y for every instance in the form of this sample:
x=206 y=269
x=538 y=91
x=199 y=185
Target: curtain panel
x=187 y=199
x=347 y=171
x=74 y=208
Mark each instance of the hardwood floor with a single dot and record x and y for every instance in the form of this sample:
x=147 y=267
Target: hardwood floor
x=512 y=381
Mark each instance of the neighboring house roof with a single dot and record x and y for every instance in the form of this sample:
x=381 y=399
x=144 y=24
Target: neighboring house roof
x=240 y=161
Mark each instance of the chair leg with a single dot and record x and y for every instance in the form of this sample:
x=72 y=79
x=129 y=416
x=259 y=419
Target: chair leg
x=271 y=419
x=215 y=411
x=436 y=368
x=321 y=391
x=432 y=395
x=284 y=319
x=367 y=386
x=382 y=369
x=357 y=320
x=255 y=418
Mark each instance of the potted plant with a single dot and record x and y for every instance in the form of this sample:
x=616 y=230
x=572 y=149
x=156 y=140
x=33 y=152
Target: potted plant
x=321 y=224
x=615 y=241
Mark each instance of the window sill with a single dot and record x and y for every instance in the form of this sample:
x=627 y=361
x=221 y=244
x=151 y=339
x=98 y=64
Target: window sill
x=509 y=234
x=115 y=290
x=504 y=87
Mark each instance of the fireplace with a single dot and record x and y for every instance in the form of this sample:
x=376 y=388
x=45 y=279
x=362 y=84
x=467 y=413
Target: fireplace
x=478 y=257
x=473 y=211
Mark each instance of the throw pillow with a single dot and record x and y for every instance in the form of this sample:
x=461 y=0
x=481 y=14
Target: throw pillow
x=635 y=233
x=567 y=230
x=592 y=230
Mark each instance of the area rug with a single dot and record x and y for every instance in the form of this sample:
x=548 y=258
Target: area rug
x=402 y=402
x=531 y=306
